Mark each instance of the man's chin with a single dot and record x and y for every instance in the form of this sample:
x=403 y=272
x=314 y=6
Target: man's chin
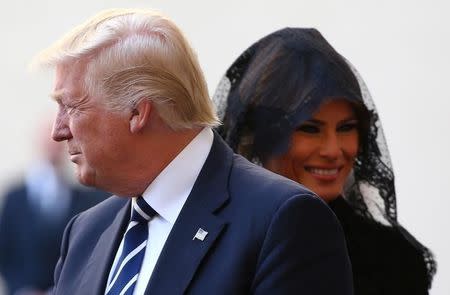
x=86 y=178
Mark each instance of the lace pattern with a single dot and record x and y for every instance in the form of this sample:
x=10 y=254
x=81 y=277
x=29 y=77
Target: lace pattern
x=279 y=82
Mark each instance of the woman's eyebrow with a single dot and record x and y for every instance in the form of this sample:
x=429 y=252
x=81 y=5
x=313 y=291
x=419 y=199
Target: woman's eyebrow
x=315 y=122
x=350 y=119
x=321 y=123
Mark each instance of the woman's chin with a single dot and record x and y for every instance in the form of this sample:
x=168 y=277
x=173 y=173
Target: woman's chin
x=327 y=194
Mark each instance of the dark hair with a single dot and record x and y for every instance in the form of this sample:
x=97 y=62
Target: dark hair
x=283 y=79
x=277 y=84
x=365 y=119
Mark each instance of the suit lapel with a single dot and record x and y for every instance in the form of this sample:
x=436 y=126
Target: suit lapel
x=97 y=269
x=182 y=253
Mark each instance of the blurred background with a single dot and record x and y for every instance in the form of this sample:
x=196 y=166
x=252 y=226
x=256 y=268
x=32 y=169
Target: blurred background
x=401 y=48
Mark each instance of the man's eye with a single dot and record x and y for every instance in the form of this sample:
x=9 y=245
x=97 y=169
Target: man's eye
x=69 y=109
x=308 y=128
x=347 y=127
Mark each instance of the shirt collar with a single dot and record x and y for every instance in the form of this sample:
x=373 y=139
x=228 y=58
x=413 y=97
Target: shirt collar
x=171 y=188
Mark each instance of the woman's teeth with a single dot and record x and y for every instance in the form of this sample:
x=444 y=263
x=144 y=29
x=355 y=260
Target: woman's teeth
x=323 y=171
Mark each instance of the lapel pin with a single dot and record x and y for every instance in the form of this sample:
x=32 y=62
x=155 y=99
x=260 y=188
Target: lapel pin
x=200 y=235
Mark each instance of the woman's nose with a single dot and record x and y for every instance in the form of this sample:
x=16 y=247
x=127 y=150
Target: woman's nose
x=330 y=147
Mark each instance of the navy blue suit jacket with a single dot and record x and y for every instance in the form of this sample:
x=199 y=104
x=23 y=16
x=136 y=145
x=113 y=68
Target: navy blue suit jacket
x=266 y=235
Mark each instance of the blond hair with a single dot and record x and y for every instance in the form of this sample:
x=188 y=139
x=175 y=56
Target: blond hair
x=132 y=55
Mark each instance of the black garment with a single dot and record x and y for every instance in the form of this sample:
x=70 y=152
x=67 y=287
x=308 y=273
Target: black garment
x=383 y=261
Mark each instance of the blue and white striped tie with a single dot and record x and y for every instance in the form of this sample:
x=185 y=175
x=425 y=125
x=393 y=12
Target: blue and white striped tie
x=129 y=264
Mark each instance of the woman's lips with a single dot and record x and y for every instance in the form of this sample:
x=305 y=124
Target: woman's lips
x=326 y=174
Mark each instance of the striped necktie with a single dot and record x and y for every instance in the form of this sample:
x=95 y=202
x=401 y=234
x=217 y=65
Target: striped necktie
x=127 y=268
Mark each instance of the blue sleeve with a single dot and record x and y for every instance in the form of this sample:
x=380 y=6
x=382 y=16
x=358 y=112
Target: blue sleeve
x=304 y=252
x=63 y=252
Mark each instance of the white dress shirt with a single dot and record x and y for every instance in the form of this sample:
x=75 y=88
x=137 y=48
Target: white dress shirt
x=167 y=195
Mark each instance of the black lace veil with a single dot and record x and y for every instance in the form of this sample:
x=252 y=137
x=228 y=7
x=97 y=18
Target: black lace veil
x=278 y=83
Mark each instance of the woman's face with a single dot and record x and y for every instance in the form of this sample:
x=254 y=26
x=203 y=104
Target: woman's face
x=322 y=150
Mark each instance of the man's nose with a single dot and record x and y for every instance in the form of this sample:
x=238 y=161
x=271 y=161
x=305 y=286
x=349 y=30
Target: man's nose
x=61 y=130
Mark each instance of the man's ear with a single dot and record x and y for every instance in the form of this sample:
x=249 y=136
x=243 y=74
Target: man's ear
x=140 y=115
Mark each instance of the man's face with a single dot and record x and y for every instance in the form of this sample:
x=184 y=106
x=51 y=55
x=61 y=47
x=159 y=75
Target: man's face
x=97 y=138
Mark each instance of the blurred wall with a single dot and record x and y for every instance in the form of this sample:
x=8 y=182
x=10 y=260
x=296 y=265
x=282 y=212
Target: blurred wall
x=401 y=48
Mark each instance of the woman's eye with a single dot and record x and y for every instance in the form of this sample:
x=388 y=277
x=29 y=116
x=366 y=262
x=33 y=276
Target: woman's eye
x=347 y=127
x=307 y=128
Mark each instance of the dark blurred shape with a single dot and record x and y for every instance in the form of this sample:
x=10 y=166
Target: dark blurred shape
x=33 y=217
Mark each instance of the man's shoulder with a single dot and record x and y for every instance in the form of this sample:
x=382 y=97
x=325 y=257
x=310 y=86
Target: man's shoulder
x=15 y=190
x=14 y=199
x=253 y=179
x=83 y=198
x=256 y=192
x=103 y=213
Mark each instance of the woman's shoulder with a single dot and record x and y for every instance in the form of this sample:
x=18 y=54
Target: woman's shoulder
x=382 y=257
